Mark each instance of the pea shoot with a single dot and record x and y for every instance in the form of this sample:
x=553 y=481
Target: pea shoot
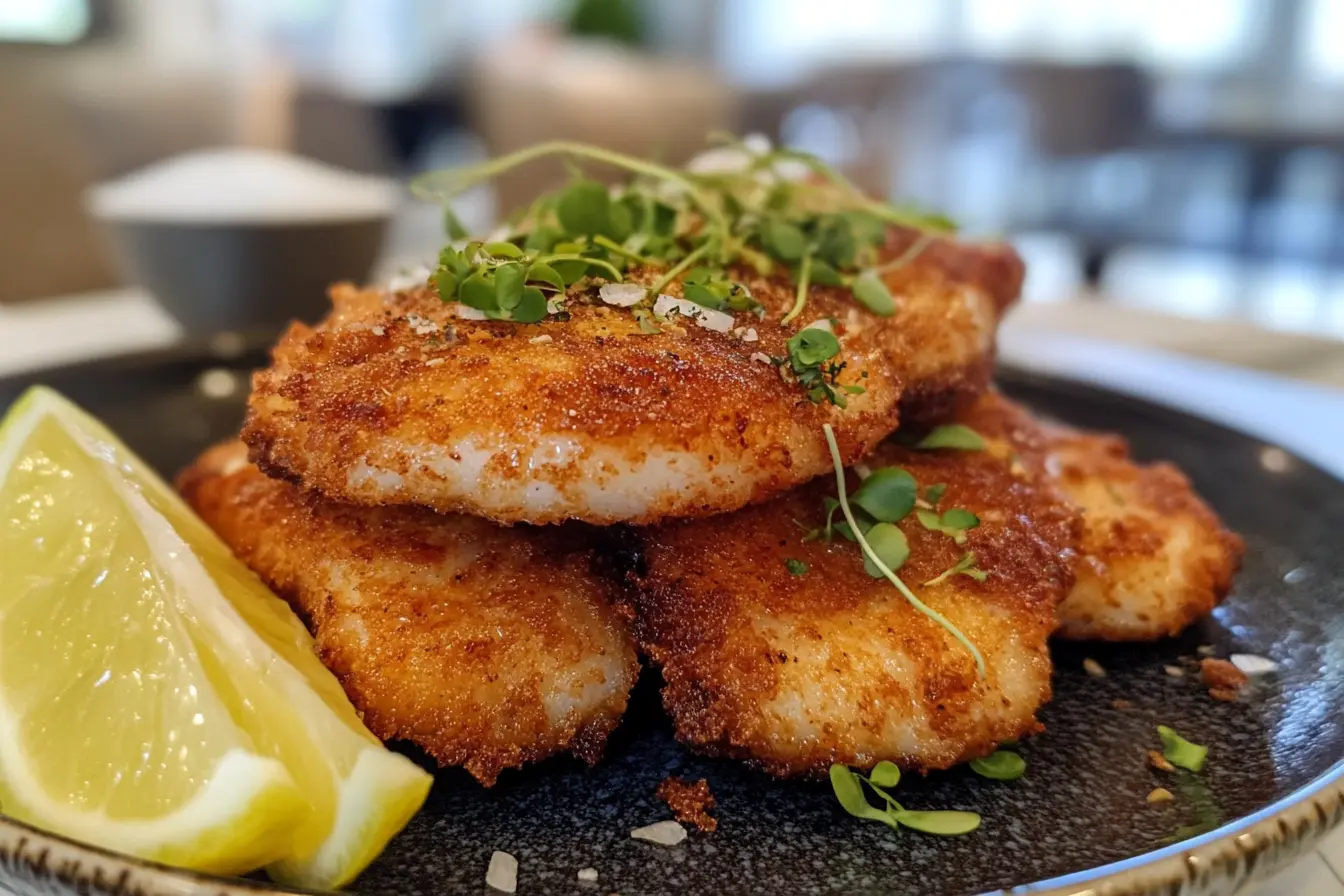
x=848 y=787
x=687 y=227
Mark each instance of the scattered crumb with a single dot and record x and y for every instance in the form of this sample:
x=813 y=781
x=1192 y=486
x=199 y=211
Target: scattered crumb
x=1121 y=704
x=1220 y=675
x=689 y=802
x=750 y=335
x=433 y=362
x=1252 y=664
x=1093 y=668
x=1174 y=671
x=502 y=874
x=541 y=340
x=1161 y=795
x=1159 y=762
x=1225 y=695
x=664 y=833
x=1205 y=650
x=588 y=875
x=378 y=331
x=762 y=357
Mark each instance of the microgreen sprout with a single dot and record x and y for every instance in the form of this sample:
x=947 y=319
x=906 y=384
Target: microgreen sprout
x=934 y=493
x=1001 y=765
x=963 y=567
x=796 y=567
x=877 y=562
x=1180 y=752
x=953 y=523
x=848 y=788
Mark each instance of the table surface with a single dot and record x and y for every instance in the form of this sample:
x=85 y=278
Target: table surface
x=1284 y=388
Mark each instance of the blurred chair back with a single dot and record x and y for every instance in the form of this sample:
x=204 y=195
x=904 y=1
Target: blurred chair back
x=48 y=245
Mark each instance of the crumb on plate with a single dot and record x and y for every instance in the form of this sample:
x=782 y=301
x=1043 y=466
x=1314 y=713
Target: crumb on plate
x=689 y=802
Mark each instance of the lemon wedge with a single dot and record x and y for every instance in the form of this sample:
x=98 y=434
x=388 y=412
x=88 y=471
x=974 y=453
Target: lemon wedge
x=155 y=697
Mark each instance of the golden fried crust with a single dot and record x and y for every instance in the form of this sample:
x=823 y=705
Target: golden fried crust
x=395 y=399
x=1153 y=556
x=487 y=647
x=797 y=672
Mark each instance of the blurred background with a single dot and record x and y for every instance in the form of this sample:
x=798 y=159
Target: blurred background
x=1183 y=158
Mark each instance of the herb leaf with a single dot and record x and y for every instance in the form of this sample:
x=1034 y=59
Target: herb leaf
x=1180 y=752
x=584 y=208
x=1001 y=765
x=934 y=493
x=782 y=239
x=963 y=567
x=888 y=494
x=889 y=544
x=531 y=308
x=508 y=286
x=848 y=790
x=885 y=774
x=873 y=294
x=540 y=272
x=811 y=347
x=943 y=824
x=796 y=567
x=478 y=292
x=953 y=523
x=954 y=435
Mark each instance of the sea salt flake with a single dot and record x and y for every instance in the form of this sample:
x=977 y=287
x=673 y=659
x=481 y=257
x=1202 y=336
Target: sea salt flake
x=664 y=833
x=1251 y=664
x=622 y=295
x=502 y=874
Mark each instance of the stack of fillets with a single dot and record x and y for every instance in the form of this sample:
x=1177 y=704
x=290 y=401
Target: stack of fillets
x=486 y=523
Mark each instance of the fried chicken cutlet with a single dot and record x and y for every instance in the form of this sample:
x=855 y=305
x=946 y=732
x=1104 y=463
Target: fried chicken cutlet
x=784 y=651
x=396 y=398
x=1153 y=556
x=487 y=647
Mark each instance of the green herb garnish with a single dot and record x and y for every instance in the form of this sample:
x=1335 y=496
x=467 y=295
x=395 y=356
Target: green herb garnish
x=810 y=360
x=796 y=567
x=1180 y=752
x=824 y=231
x=848 y=787
x=963 y=567
x=877 y=562
x=954 y=435
x=889 y=544
x=953 y=523
x=887 y=495
x=934 y=493
x=1001 y=765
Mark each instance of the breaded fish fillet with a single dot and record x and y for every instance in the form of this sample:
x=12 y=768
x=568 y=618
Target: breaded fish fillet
x=488 y=647
x=395 y=399
x=1153 y=556
x=798 y=671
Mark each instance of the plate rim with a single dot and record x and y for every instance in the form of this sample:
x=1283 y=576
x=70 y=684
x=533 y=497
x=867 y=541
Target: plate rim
x=1223 y=860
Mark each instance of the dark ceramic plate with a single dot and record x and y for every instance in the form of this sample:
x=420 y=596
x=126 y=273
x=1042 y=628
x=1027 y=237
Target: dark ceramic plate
x=1077 y=821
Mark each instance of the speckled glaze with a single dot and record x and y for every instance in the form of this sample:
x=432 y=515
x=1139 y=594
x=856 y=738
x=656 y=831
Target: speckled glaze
x=1077 y=823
